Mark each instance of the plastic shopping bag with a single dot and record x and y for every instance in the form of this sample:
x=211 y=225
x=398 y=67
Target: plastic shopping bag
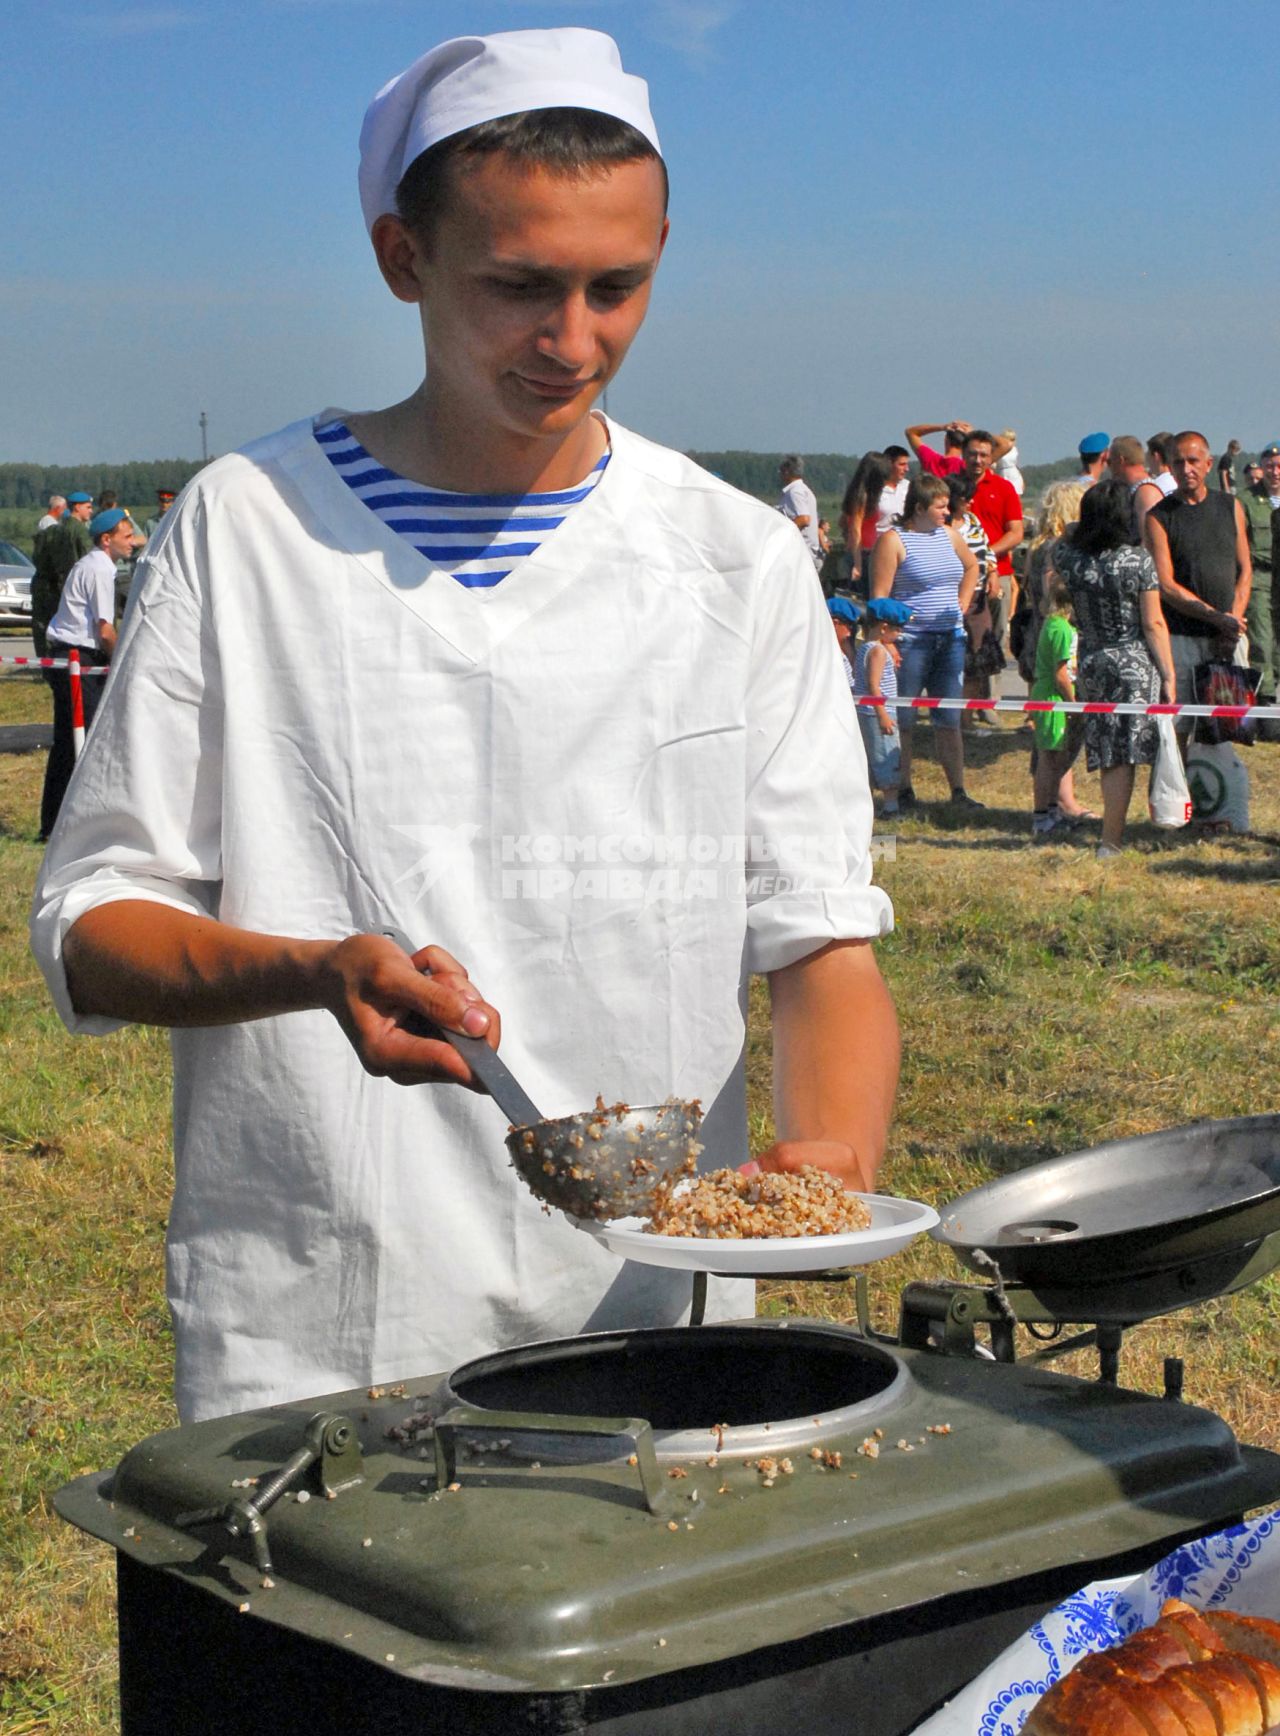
x=1219 y=782
x=1170 y=799
x=1225 y=684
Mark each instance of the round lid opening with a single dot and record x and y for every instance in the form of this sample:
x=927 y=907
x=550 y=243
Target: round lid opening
x=689 y=1380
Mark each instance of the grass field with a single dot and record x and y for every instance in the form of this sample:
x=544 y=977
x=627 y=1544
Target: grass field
x=1047 y=1002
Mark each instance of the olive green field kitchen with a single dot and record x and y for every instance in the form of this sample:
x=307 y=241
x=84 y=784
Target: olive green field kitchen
x=753 y=1526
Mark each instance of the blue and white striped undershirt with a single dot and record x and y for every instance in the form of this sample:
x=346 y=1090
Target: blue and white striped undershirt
x=888 y=675
x=928 y=580
x=478 y=539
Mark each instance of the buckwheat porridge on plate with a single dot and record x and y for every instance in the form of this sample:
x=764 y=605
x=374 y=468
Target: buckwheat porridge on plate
x=727 y=1205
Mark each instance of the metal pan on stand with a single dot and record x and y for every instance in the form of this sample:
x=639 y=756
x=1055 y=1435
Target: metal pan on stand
x=1125 y=1212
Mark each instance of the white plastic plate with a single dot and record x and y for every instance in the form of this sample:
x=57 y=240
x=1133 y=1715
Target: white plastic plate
x=894 y=1224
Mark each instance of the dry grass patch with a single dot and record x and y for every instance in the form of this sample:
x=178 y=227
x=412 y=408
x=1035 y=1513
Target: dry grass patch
x=1047 y=1002
x=23 y=698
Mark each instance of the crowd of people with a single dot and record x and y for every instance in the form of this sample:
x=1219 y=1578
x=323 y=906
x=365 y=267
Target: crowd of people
x=1134 y=583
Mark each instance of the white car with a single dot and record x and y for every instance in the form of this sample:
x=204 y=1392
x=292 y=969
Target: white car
x=16 y=570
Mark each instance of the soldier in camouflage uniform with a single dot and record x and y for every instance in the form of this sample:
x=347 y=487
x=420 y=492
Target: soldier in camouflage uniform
x=56 y=551
x=1259 y=502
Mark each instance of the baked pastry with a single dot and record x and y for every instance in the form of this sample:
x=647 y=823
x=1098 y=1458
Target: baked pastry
x=1190 y=1674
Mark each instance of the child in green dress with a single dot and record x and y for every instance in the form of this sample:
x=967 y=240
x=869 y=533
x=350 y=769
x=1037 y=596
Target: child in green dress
x=1055 y=678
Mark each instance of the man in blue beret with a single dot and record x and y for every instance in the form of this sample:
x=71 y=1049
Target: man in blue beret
x=1095 y=449
x=85 y=621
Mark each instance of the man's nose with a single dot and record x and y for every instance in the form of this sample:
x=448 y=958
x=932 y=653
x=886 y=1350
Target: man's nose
x=569 y=335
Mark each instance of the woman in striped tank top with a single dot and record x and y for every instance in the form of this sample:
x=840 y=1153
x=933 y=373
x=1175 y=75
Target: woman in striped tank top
x=926 y=564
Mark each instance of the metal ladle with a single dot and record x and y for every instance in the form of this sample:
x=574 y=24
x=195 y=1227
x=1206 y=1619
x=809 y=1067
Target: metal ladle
x=602 y=1163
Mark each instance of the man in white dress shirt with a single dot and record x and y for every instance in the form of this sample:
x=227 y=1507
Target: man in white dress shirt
x=799 y=503
x=85 y=620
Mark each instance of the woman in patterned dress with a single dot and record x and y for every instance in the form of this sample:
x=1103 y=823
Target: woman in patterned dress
x=1124 y=653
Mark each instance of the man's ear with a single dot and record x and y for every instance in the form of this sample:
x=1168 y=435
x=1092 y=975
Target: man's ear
x=399 y=255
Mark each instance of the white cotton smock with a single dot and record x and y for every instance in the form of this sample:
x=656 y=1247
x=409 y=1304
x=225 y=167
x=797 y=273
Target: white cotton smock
x=309 y=731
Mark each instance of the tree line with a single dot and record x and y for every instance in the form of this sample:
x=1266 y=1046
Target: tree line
x=24 y=486
x=30 y=485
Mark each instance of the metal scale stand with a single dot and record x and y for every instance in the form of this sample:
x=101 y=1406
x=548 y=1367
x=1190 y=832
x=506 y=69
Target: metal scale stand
x=943 y=1314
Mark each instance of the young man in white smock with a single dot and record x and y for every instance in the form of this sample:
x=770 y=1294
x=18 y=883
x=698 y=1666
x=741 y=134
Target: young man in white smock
x=584 y=735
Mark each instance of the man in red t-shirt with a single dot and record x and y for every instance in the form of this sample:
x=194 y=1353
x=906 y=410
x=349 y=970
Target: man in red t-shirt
x=948 y=462
x=999 y=509
x=995 y=501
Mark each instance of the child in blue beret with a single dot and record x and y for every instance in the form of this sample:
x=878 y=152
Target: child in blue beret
x=875 y=676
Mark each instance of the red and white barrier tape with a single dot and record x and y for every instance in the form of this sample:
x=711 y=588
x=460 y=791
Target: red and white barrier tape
x=1090 y=708
x=53 y=663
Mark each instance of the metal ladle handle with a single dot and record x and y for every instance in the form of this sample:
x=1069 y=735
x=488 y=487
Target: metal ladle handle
x=487 y=1065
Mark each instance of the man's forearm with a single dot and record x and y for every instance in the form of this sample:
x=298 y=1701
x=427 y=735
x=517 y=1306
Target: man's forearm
x=835 y=1052
x=1010 y=540
x=152 y=965
x=1185 y=602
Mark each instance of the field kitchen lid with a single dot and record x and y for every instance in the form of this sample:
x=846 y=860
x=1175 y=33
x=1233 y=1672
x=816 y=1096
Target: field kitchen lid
x=549 y=1536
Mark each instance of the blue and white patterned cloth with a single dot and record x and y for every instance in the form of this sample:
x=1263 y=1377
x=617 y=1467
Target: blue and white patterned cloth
x=477 y=538
x=1235 y=1569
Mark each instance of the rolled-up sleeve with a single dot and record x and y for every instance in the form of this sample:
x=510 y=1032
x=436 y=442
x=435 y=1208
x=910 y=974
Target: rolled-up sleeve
x=808 y=800
x=142 y=816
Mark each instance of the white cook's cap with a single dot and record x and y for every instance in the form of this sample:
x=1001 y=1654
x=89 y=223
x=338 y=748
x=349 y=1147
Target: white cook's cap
x=481 y=78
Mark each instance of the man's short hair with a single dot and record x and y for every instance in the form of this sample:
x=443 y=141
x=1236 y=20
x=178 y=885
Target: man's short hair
x=571 y=142
x=892 y=452
x=1190 y=434
x=57 y=500
x=1128 y=449
x=792 y=465
x=952 y=439
x=1162 y=445
x=979 y=437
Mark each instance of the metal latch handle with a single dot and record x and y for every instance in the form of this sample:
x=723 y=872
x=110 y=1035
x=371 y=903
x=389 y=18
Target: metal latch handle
x=330 y=1440
x=603 y=1438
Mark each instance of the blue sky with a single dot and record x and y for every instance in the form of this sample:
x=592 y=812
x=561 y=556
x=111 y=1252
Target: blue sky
x=1049 y=215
